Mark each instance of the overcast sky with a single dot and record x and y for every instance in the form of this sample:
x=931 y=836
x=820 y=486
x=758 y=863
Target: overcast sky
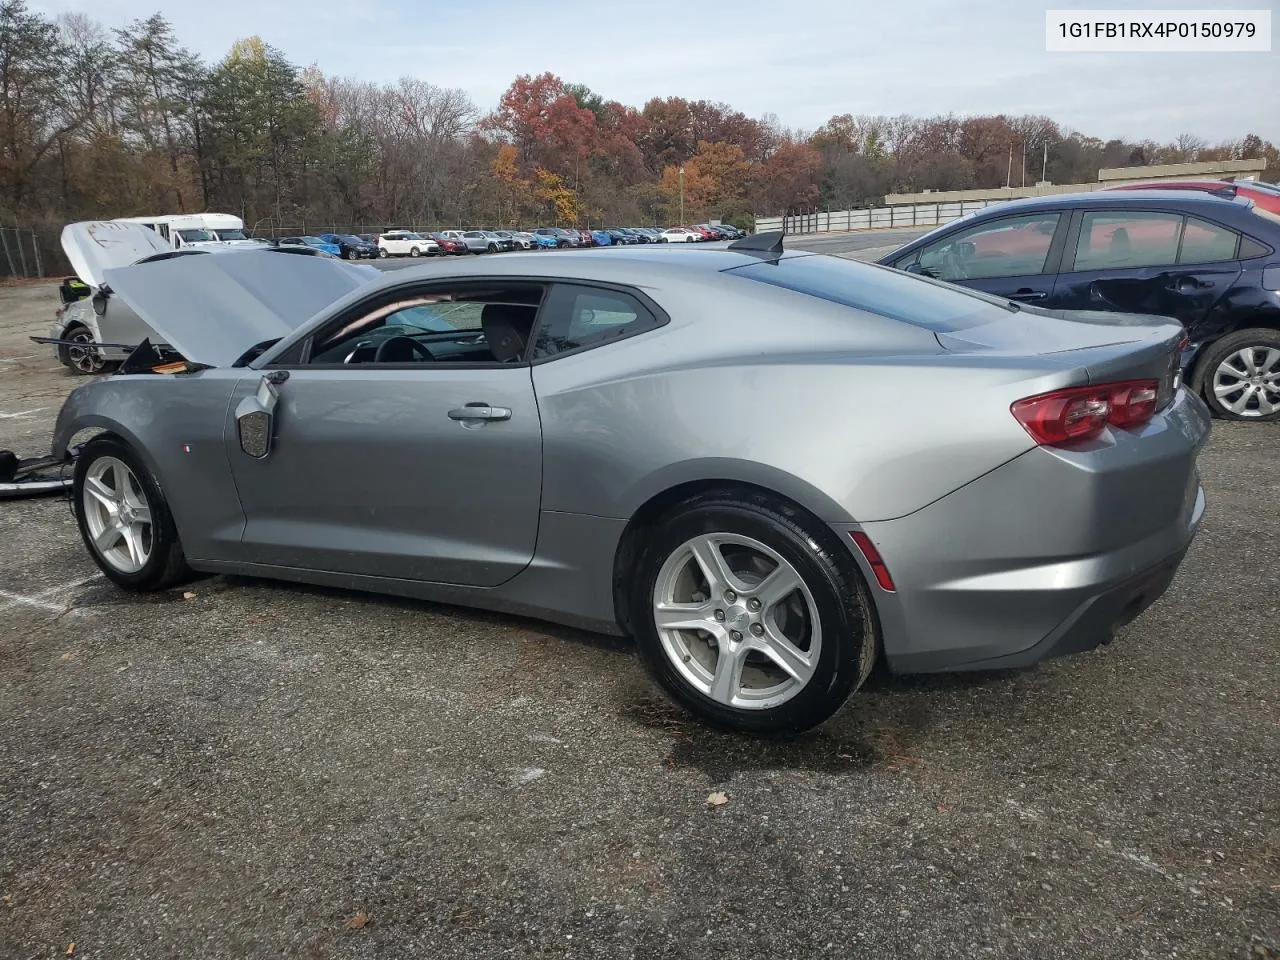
x=804 y=60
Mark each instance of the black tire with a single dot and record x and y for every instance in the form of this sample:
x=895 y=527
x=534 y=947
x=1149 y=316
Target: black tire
x=841 y=598
x=166 y=565
x=493 y=248
x=415 y=252
x=79 y=361
x=382 y=253
x=1259 y=339
x=351 y=255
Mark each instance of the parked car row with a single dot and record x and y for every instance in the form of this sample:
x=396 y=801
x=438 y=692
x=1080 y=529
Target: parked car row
x=409 y=243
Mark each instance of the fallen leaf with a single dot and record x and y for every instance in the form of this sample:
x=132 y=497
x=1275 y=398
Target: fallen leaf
x=71 y=948
x=188 y=595
x=359 y=920
x=716 y=799
x=943 y=808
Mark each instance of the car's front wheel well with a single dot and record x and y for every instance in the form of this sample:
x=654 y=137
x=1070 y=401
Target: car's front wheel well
x=661 y=506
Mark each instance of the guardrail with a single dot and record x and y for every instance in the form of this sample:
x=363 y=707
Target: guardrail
x=873 y=218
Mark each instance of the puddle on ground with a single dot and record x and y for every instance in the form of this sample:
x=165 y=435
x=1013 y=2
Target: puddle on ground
x=720 y=755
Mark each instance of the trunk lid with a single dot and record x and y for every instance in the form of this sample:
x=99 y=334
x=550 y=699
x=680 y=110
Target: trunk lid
x=212 y=308
x=94 y=246
x=1103 y=346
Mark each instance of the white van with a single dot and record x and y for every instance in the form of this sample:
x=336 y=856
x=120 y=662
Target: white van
x=185 y=230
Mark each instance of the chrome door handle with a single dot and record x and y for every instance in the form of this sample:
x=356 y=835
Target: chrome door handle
x=480 y=411
x=1028 y=295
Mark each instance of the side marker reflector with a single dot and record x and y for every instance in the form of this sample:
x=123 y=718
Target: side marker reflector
x=882 y=575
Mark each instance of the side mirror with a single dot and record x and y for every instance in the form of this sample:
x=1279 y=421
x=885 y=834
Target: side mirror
x=255 y=420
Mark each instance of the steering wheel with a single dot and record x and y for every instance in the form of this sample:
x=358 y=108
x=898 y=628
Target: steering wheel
x=398 y=343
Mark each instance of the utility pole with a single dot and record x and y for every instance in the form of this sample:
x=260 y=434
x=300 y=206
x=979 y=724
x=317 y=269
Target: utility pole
x=1044 y=167
x=1008 y=175
x=682 y=196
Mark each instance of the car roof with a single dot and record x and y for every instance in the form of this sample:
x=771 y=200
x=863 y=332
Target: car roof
x=1132 y=198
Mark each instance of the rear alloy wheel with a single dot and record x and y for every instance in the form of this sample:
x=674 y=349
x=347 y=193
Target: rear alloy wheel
x=124 y=518
x=743 y=618
x=1243 y=381
x=84 y=359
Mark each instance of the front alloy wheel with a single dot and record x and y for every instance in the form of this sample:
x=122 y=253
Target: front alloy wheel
x=117 y=515
x=79 y=355
x=124 y=518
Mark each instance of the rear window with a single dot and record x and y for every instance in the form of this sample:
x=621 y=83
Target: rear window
x=890 y=293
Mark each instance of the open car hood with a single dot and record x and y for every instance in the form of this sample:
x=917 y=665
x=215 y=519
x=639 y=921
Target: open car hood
x=212 y=308
x=93 y=246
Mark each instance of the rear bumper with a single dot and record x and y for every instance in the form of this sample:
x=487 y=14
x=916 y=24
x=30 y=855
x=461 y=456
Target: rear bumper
x=1044 y=556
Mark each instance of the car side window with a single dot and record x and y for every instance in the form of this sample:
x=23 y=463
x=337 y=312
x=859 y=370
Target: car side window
x=1204 y=242
x=468 y=323
x=1112 y=239
x=576 y=317
x=1008 y=247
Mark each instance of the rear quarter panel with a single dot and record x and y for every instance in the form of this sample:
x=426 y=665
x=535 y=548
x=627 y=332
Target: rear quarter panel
x=854 y=416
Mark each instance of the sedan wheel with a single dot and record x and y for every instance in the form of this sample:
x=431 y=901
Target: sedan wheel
x=124 y=519
x=1245 y=379
x=382 y=253
x=743 y=616
x=82 y=359
x=414 y=252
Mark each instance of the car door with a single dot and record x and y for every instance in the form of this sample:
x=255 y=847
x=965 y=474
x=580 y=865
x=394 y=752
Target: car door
x=1146 y=261
x=384 y=463
x=1014 y=256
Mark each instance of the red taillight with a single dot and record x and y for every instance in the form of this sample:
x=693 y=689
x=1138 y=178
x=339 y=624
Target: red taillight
x=1079 y=413
x=875 y=561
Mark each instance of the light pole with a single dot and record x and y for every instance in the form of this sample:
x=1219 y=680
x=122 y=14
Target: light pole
x=682 y=196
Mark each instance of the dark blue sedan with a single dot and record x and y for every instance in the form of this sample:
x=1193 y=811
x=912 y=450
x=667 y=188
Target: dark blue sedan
x=1212 y=263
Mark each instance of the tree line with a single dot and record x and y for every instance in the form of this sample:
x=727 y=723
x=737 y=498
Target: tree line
x=101 y=123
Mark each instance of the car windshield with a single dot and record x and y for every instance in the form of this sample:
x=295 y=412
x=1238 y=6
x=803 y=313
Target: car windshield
x=230 y=235
x=348 y=238
x=919 y=301
x=195 y=236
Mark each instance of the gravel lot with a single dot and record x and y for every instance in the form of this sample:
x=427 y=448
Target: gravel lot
x=263 y=770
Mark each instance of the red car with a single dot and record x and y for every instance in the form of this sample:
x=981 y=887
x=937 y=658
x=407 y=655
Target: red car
x=1266 y=196
x=587 y=239
x=448 y=245
x=704 y=234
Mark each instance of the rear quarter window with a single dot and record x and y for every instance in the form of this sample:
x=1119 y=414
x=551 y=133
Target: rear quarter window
x=919 y=301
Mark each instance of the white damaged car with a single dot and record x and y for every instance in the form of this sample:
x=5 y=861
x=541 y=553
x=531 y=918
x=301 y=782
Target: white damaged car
x=94 y=331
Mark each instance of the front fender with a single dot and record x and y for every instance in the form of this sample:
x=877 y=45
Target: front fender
x=175 y=425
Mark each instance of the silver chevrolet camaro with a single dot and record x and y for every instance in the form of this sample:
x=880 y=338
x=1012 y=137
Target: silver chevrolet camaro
x=769 y=468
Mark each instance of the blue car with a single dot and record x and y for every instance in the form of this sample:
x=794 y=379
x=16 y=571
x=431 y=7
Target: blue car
x=350 y=247
x=1211 y=263
x=545 y=241
x=602 y=238
x=314 y=242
